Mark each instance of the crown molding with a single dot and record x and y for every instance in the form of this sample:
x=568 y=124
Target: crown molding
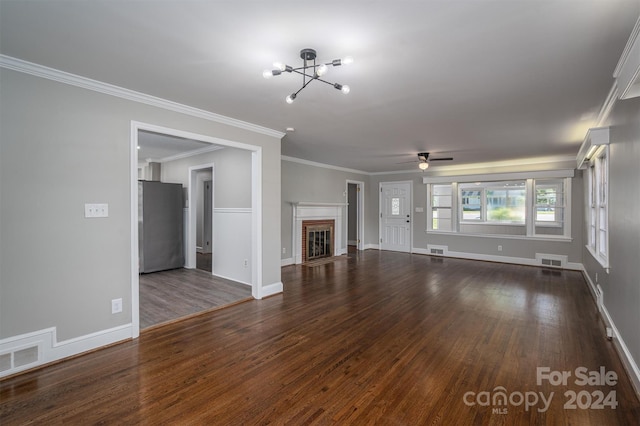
x=607 y=106
x=635 y=34
x=627 y=72
x=322 y=165
x=191 y=153
x=37 y=70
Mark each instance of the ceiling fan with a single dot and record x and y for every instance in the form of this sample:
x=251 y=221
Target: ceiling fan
x=424 y=160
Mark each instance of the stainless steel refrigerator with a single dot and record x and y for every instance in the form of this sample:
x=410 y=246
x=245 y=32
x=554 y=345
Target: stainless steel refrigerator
x=160 y=226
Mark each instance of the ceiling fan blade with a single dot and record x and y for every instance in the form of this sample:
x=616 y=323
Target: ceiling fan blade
x=441 y=159
x=405 y=162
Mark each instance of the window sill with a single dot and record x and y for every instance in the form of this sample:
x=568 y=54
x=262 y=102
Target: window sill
x=479 y=222
x=603 y=262
x=561 y=238
x=548 y=225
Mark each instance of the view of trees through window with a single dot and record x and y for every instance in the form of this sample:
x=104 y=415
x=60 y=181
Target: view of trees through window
x=497 y=202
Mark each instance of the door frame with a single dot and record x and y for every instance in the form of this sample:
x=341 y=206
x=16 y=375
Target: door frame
x=411 y=215
x=190 y=254
x=360 y=215
x=256 y=209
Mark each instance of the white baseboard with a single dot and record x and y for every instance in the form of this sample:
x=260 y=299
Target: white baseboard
x=271 y=289
x=41 y=347
x=628 y=362
x=288 y=261
x=490 y=258
x=371 y=246
x=231 y=279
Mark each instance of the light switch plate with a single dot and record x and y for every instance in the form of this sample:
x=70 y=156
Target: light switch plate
x=96 y=210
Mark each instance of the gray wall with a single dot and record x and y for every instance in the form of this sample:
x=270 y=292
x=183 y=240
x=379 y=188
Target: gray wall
x=232 y=175
x=481 y=245
x=621 y=286
x=303 y=182
x=61 y=147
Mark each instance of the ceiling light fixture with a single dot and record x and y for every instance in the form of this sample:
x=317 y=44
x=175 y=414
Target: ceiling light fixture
x=423 y=165
x=310 y=71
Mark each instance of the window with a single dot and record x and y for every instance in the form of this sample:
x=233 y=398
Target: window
x=598 y=181
x=549 y=206
x=519 y=208
x=395 y=206
x=493 y=202
x=441 y=208
x=471 y=204
x=592 y=208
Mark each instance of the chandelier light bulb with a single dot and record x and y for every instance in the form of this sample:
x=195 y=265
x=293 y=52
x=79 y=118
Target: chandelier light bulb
x=267 y=74
x=290 y=98
x=347 y=60
x=423 y=165
x=322 y=70
x=345 y=89
x=280 y=66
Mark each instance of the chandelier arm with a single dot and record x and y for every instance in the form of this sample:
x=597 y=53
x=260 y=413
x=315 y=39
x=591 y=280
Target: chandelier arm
x=301 y=73
x=303 y=86
x=324 y=81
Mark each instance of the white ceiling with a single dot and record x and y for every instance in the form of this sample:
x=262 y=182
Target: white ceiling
x=479 y=80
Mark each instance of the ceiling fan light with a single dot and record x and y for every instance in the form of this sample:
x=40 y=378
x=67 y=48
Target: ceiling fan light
x=423 y=166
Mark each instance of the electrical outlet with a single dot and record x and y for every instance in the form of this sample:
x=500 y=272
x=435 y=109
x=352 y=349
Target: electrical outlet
x=116 y=306
x=284 y=250
x=246 y=263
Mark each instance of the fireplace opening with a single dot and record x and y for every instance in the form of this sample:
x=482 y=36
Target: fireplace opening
x=317 y=240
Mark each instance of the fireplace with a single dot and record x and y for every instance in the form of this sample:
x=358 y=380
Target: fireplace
x=313 y=214
x=317 y=239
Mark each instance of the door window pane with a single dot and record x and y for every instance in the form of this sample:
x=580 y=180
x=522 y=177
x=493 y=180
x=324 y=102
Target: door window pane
x=395 y=206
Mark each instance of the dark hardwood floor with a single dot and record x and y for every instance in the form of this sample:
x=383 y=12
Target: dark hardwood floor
x=383 y=338
x=168 y=295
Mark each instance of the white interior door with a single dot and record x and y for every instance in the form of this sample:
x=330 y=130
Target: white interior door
x=395 y=216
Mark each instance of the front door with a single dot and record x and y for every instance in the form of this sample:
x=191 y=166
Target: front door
x=395 y=216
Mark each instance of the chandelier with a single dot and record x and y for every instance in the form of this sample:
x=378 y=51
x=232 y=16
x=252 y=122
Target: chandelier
x=310 y=71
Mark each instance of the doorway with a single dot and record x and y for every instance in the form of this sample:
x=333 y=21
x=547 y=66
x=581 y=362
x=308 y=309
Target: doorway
x=355 y=215
x=253 y=260
x=204 y=219
x=395 y=216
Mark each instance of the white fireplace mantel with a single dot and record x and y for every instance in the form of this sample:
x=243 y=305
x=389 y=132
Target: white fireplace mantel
x=303 y=210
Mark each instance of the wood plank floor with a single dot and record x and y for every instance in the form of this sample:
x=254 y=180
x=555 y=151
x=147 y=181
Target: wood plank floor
x=385 y=338
x=168 y=295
